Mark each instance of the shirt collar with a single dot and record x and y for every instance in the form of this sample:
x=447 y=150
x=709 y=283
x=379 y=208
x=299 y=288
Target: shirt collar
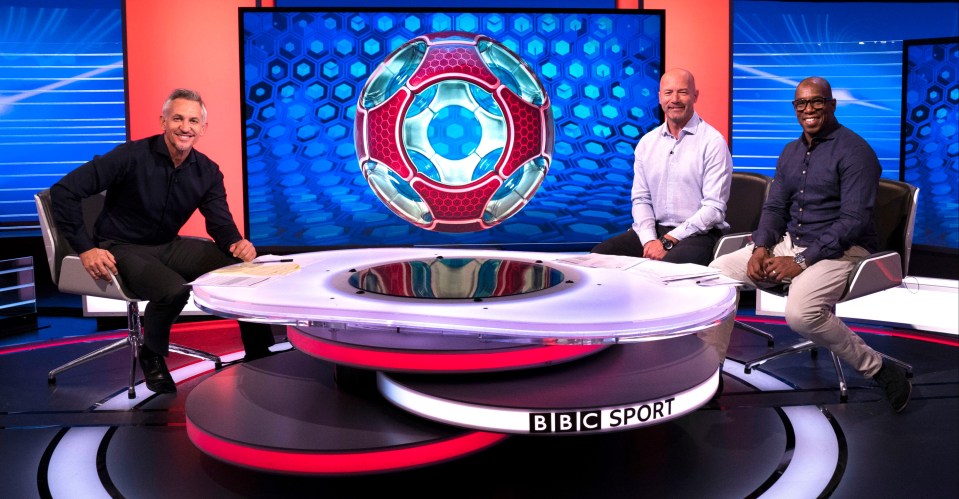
x=824 y=134
x=690 y=127
x=159 y=146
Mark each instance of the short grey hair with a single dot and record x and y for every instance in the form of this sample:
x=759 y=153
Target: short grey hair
x=185 y=93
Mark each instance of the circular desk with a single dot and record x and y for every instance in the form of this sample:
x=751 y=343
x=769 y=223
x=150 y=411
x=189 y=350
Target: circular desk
x=593 y=350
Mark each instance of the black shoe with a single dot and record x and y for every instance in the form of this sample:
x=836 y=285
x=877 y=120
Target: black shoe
x=155 y=373
x=894 y=383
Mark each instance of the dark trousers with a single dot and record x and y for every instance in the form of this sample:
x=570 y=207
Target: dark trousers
x=697 y=248
x=160 y=274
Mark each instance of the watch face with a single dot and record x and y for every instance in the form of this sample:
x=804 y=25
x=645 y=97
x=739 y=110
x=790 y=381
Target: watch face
x=667 y=244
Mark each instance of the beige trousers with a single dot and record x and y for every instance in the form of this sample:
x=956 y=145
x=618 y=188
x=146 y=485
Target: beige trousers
x=811 y=303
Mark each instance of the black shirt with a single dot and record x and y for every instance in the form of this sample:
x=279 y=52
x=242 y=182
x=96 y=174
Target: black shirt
x=823 y=194
x=148 y=200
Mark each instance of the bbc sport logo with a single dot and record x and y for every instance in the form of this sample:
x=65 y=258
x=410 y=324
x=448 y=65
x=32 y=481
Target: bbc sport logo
x=587 y=421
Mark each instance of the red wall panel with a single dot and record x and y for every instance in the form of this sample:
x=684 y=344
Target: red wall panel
x=193 y=44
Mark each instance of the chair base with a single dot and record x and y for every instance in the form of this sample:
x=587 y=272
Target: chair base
x=756 y=331
x=812 y=348
x=133 y=340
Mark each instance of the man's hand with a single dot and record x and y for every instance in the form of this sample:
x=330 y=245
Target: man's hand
x=654 y=250
x=243 y=250
x=99 y=263
x=781 y=267
x=756 y=267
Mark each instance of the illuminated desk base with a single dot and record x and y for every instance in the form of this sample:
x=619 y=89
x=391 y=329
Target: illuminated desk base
x=287 y=414
x=391 y=381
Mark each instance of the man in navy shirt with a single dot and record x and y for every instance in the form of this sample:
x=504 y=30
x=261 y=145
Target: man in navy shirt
x=816 y=224
x=153 y=186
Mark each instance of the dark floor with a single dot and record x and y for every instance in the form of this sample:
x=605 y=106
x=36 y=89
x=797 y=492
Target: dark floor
x=780 y=431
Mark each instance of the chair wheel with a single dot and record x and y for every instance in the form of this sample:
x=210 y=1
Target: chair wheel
x=748 y=370
x=131 y=393
x=52 y=380
x=217 y=365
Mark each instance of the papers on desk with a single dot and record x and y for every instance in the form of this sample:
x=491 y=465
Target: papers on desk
x=598 y=261
x=682 y=274
x=248 y=274
x=670 y=274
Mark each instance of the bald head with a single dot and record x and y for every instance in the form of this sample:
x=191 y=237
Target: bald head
x=681 y=74
x=815 y=106
x=677 y=96
x=823 y=86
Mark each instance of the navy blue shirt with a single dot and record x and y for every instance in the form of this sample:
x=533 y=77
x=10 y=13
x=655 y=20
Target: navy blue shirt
x=148 y=200
x=823 y=194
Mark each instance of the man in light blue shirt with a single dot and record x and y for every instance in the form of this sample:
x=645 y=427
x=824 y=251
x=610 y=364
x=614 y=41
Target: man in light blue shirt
x=681 y=177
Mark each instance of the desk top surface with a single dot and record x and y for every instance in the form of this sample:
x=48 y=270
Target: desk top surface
x=586 y=305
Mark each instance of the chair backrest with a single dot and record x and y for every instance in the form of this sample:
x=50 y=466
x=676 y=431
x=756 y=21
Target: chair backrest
x=746 y=197
x=895 y=215
x=54 y=244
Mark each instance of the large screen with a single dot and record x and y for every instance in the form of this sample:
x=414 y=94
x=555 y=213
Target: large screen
x=587 y=79
x=61 y=97
x=855 y=45
x=930 y=137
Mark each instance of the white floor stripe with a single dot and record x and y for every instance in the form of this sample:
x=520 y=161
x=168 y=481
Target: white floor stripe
x=816 y=454
x=72 y=473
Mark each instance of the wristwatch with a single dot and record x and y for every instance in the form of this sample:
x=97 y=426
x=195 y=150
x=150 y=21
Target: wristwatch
x=667 y=244
x=800 y=260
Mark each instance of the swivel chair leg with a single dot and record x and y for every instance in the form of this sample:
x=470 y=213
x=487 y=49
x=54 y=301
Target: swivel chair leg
x=758 y=332
x=100 y=352
x=843 y=392
x=798 y=347
x=199 y=354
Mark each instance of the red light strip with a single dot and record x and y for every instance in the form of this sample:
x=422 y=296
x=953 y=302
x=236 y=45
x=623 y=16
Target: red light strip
x=73 y=340
x=437 y=361
x=61 y=342
x=304 y=462
x=882 y=332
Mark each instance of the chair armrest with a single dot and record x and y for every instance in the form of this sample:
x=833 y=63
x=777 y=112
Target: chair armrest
x=731 y=242
x=74 y=279
x=877 y=272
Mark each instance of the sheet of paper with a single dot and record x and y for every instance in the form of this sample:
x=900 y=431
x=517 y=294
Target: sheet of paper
x=267 y=269
x=248 y=274
x=230 y=280
x=666 y=272
x=596 y=260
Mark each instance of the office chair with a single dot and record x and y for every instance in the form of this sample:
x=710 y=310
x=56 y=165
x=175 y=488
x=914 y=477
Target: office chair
x=70 y=277
x=746 y=197
x=895 y=214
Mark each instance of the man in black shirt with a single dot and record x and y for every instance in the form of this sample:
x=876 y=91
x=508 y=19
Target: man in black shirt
x=816 y=224
x=153 y=186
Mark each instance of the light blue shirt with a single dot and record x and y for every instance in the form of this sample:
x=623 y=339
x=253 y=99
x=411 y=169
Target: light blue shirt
x=681 y=182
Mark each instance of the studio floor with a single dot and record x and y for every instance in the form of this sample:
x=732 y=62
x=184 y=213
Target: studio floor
x=780 y=431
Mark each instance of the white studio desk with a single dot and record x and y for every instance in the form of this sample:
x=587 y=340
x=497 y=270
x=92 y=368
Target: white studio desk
x=591 y=305
x=487 y=342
